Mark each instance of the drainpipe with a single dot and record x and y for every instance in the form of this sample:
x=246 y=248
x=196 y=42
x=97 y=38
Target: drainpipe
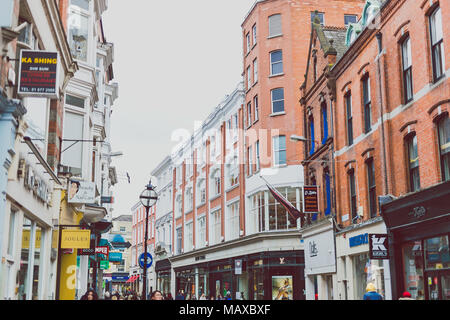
x=383 y=139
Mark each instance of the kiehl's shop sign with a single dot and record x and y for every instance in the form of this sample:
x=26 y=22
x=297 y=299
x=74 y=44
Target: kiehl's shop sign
x=76 y=239
x=38 y=75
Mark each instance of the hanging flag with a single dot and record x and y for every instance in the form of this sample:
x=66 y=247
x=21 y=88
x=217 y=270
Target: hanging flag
x=294 y=213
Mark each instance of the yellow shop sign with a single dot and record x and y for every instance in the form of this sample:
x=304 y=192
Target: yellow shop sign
x=76 y=239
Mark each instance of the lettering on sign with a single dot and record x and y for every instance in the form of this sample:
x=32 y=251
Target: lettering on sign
x=417 y=212
x=313 y=251
x=378 y=246
x=359 y=240
x=35 y=183
x=38 y=73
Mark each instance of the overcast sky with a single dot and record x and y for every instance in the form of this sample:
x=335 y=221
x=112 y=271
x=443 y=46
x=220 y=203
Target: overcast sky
x=174 y=61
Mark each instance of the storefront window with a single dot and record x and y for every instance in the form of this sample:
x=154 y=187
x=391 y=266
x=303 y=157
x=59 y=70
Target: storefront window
x=258 y=281
x=186 y=283
x=202 y=282
x=437 y=253
x=24 y=258
x=37 y=261
x=279 y=218
x=257 y=215
x=365 y=271
x=164 y=281
x=282 y=288
x=413 y=269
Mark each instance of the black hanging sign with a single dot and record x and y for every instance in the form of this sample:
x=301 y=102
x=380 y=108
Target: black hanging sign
x=38 y=75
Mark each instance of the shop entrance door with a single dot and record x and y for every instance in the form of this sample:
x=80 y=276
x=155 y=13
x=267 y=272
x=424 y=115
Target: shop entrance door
x=438 y=285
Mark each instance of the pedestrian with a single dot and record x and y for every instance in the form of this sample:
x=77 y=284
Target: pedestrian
x=90 y=295
x=115 y=296
x=202 y=297
x=156 y=295
x=228 y=296
x=179 y=295
x=242 y=295
x=107 y=295
x=406 y=296
x=371 y=293
x=169 y=296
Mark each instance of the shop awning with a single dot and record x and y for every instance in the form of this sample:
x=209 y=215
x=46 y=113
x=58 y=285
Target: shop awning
x=133 y=278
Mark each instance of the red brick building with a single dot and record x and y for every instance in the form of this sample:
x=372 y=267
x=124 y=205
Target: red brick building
x=390 y=93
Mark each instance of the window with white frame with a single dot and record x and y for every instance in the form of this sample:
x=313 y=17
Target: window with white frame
x=232 y=226
x=249 y=114
x=250 y=161
x=255 y=70
x=201 y=230
x=78 y=25
x=216 y=227
x=275 y=25
x=277 y=97
x=212 y=147
x=247 y=39
x=279 y=150
x=233 y=170
x=249 y=78
x=256 y=106
x=276 y=62
x=254 y=34
x=178 y=206
x=178 y=172
x=218 y=142
x=188 y=198
x=201 y=191
x=73 y=130
x=235 y=127
x=179 y=233
x=437 y=44
x=215 y=183
x=189 y=237
x=258 y=160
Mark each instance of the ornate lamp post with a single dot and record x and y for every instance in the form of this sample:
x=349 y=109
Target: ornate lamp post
x=148 y=199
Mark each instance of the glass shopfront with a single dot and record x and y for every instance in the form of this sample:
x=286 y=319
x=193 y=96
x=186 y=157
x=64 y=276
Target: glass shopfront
x=163 y=276
x=367 y=271
x=263 y=276
x=426 y=265
x=30 y=260
x=419 y=228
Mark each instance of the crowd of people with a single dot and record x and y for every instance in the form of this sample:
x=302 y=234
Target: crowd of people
x=186 y=296
x=91 y=294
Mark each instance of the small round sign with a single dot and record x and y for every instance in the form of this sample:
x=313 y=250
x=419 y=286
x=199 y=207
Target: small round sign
x=149 y=260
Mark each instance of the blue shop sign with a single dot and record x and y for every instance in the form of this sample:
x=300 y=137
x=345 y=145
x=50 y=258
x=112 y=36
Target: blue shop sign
x=359 y=240
x=120 y=278
x=115 y=256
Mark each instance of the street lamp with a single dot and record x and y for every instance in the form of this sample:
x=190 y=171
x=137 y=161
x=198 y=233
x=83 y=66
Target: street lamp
x=301 y=138
x=148 y=199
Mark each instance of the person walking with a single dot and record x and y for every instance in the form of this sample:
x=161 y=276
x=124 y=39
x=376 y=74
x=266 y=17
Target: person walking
x=169 y=296
x=406 y=296
x=202 y=297
x=156 y=295
x=371 y=293
x=90 y=295
x=179 y=295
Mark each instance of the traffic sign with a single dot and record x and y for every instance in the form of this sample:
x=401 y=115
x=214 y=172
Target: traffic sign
x=149 y=260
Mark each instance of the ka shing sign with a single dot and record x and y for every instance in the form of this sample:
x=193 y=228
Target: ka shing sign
x=76 y=239
x=38 y=74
